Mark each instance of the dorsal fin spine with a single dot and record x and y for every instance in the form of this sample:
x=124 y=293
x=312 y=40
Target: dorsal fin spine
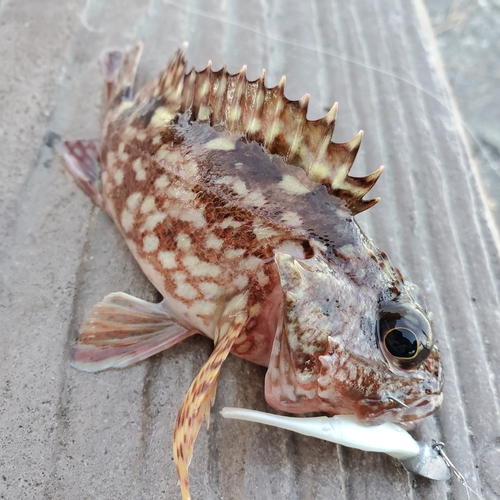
x=235 y=108
x=255 y=122
x=218 y=98
x=276 y=125
x=363 y=184
x=171 y=79
x=302 y=117
x=344 y=154
x=188 y=90
x=268 y=117
x=329 y=123
x=355 y=143
x=202 y=94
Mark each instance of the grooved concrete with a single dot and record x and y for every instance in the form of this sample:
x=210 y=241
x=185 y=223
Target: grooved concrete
x=71 y=435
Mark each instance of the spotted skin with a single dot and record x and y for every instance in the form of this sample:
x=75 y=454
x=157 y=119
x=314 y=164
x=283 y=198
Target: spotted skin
x=240 y=212
x=187 y=192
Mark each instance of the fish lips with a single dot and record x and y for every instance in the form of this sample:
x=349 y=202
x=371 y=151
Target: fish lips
x=375 y=412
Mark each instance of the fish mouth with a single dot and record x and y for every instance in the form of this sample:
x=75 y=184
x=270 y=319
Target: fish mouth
x=391 y=409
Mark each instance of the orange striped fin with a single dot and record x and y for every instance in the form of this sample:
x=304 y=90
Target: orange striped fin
x=201 y=394
x=123 y=330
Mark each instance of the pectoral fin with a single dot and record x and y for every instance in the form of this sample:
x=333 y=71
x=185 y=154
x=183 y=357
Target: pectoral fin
x=122 y=330
x=201 y=394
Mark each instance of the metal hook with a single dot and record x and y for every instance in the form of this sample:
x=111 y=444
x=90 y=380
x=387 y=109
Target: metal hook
x=390 y=398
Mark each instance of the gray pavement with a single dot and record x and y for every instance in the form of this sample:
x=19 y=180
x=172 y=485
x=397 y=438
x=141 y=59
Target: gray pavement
x=468 y=38
x=71 y=435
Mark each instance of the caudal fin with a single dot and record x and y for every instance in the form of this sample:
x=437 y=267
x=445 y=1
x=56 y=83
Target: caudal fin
x=81 y=159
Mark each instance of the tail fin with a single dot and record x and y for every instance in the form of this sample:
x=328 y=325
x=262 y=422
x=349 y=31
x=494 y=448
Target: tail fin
x=119 y=70
x=81 y=159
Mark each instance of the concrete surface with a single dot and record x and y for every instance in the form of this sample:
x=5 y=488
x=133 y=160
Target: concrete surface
x=71 y=435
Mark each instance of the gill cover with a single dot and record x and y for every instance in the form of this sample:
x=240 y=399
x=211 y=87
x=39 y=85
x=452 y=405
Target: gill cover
x=320 y=306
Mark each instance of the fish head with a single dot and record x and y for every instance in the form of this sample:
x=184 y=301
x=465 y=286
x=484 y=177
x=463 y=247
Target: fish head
x=348 y=344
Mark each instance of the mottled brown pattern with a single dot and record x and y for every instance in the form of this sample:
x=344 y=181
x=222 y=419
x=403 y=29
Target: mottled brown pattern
x=228 y=200
x=240 y=212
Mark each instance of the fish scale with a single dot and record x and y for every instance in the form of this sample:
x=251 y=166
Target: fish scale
x=240 y=212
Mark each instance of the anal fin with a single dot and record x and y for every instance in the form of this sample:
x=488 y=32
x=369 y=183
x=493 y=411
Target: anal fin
x=122 y=330
x=81 y=159
x=201 y=393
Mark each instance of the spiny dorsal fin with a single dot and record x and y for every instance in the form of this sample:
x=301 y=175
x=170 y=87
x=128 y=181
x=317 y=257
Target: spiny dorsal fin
x=266 y=116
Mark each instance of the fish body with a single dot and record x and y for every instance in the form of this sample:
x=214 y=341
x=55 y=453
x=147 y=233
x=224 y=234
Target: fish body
x=240 y=212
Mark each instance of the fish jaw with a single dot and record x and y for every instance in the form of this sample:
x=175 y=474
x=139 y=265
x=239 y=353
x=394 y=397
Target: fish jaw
x=326 y=357
x=400 y=404
x=378 y=393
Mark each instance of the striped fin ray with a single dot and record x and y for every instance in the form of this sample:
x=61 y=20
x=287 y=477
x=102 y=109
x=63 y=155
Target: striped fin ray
x=201 y=394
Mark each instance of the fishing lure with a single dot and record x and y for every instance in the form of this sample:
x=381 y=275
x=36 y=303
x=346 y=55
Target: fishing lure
x=240 y=212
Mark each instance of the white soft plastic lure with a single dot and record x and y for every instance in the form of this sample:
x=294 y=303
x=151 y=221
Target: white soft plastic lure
x=386 y=438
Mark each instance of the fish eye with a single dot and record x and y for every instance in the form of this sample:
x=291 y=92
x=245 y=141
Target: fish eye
x=404 y=335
